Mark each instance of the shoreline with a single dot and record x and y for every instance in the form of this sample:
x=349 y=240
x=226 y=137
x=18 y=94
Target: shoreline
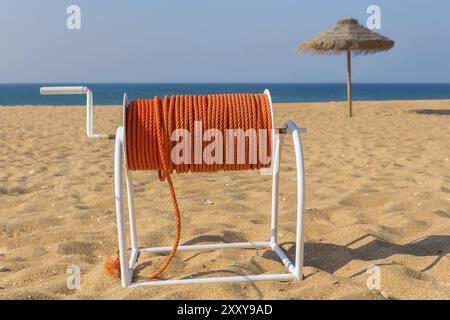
x=275 y=103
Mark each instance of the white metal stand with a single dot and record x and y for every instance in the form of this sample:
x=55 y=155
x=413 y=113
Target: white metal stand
x=127 y=264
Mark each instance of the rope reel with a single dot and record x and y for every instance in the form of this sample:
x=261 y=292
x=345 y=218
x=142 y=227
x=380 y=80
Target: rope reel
x=239 y=126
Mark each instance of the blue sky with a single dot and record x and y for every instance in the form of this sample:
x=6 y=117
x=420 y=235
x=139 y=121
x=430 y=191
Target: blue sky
x=215 y=41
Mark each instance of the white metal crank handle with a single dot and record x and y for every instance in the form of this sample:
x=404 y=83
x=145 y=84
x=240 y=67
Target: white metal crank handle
x=89 y=107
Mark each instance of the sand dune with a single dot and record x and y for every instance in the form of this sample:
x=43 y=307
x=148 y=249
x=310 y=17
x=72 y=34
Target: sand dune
x=378 y=193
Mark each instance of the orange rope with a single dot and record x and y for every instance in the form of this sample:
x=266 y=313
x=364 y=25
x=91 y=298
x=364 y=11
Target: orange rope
x=150 y=124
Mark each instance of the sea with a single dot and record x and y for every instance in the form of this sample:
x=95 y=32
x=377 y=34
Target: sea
x=112 y=93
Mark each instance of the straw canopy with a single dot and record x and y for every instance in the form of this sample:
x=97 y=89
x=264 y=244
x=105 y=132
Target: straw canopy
x=346 y=35
x=350 y=37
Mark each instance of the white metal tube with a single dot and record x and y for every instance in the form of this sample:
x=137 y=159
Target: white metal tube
x=90 y=118
x=63 y=90
x=131 y=209
x=133 y=258
x=262 y=277
x=124 y=271
x=89 y=107
x=275 y=183
x=299 y=248
x=284 y=258
x=90 y=114
x=215 y=246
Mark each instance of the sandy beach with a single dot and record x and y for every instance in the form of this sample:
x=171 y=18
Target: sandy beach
x=378 y=193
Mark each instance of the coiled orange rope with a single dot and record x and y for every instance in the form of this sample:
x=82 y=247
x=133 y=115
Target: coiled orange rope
x=151 y=123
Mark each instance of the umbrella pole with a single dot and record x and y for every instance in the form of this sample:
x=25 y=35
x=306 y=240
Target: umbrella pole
x=349 y=83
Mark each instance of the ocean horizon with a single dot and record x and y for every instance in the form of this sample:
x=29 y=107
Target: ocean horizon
x=112 y=93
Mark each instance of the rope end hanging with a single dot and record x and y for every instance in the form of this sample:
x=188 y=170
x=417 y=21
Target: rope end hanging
x=112 y=266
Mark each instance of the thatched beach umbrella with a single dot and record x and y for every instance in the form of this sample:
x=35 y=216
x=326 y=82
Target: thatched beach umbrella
x=349 y=36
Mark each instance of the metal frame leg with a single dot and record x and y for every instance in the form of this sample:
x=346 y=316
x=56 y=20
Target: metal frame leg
x=132 y=219
x=296 y=269
x=299 y=239
x=121 y=233
x=275 y=184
